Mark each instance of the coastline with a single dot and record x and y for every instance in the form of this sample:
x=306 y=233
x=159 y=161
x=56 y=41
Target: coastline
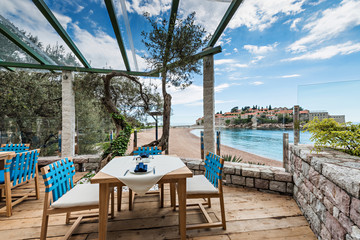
x=185 y=144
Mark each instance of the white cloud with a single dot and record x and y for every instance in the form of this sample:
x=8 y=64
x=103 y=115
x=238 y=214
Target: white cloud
x=256 y=59
x=231 y=64
x=221 y=87
x=294 y=23
x=153 y=7
x=261 y=14
x=64 y=20
x=330 y=24
x=260 y=49
x=235 y=50
x=290 y=76
x=257 y=83
x=99 y=48
x=329 y=51
x=191 y=94
x=224 y=61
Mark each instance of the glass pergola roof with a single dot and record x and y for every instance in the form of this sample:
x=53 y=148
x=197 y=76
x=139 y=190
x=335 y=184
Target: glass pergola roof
x=115 y=22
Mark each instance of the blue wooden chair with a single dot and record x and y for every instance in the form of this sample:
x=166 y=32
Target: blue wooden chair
x=21 y=147
x=139 y=151
x=208 y=186
x=18 y=170
x=150 y=150
x=61 y=196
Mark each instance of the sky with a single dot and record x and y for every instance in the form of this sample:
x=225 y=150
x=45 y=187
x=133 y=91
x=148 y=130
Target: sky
x=278 y=53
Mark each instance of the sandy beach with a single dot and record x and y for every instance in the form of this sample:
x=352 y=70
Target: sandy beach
x=185 y=144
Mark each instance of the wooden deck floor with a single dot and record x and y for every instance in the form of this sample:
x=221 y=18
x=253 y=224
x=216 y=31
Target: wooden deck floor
x=250 y=215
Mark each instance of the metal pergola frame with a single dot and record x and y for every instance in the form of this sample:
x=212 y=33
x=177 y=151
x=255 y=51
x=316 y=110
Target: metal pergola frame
x=45 y=65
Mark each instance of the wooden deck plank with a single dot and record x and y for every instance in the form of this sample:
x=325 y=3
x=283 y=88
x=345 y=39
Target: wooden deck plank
x=250 y=215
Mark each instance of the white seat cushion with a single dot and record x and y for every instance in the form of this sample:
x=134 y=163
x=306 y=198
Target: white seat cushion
x=80 y=195
x=199 y=184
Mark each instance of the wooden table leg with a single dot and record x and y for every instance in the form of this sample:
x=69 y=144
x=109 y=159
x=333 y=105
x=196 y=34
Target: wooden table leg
x=182 y=207
x=103 y=209
x=173 y=195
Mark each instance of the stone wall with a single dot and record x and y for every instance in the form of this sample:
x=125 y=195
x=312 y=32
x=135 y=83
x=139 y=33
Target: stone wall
x=263 y=178
x=82 y=163
x=327 y=188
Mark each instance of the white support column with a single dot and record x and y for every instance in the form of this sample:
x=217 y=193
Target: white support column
x=68 y=115
x=209 y=104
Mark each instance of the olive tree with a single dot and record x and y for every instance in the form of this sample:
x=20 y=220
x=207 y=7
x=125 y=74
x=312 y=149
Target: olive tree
x=173 y=59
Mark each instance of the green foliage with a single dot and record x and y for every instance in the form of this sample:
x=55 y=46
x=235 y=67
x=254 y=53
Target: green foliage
x=234 y=109
x=329 y=133
x=242 y=121
x=125 y=95
x=230 y=158
x=266 y=120
x=120 y=144
x=188 y=38
x=227 y=121
x=284 y=119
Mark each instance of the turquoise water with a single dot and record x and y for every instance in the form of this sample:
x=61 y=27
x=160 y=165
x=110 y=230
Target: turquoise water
x=266 y=143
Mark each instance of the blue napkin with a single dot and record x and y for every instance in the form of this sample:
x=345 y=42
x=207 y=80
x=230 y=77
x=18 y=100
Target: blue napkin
x=144 y=155
x=141 y=167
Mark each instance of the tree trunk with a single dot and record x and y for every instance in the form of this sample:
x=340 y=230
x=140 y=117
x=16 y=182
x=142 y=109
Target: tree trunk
x=164 y=141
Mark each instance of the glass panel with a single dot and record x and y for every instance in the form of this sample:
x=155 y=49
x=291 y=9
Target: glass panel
x=338 y=100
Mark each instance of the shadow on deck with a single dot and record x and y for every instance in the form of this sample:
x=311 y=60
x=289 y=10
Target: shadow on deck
x=250 y=215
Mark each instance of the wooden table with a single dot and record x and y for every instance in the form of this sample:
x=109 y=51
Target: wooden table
x=3 y=156
x=106 y=181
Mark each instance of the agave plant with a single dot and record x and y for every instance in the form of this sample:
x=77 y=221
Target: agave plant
x=231 y=158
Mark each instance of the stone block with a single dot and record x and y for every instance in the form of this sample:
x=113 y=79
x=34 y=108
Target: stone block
x=229 y=169
x=193 y=165
x=228 y=179
x=325 y=234
x=345 y=222
x=355 y=233
x=261 y=183
x=202 y=166
x=251 y=172
x=334 y=227
x=297 y=163
x=283 y=176
x=336 y=212
x=314 y=177
x=290 y=188
x=90 y=166
x=278 y=186
x=238 y=180
x=238 y=170
x=345 y=177
x=355 y=211
x=313 y=219
x=316 y=163
x=305 y=167
x=198 y=172
x=297 y=179
x=337 y=196
x=329 y=206
x=267 y=174
x=320 y=210
x=249 y=182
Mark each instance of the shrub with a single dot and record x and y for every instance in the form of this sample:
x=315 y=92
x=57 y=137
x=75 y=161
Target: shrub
x=239 y=120
x=329 y=133
x=230 y=158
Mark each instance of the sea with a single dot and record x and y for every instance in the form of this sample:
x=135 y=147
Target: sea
x=265 y=143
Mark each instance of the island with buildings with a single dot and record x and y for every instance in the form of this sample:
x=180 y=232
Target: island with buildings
x=267 y=118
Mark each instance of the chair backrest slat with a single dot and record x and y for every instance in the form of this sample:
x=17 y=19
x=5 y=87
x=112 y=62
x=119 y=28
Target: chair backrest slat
x=213 y=168
x=58 y=177
x=21 y=147
x=150 y=150
x=22 y=167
